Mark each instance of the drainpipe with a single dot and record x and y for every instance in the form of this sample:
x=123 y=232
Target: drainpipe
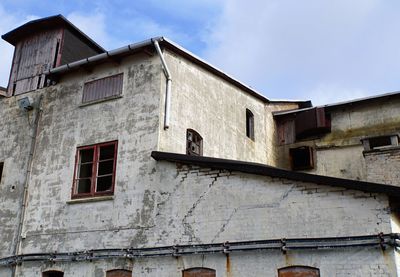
x=17 y=246
x=168 y=87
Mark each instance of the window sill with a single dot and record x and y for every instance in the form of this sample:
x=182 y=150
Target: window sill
x=91 y=199
x=100 y=100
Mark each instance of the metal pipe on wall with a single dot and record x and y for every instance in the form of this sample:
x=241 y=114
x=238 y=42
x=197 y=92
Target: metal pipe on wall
x=17 y=245
x=168 y=85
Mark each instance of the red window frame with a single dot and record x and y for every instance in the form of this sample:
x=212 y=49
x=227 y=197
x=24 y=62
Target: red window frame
x=94 y=170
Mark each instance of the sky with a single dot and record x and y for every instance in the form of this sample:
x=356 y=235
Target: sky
x=320 y=50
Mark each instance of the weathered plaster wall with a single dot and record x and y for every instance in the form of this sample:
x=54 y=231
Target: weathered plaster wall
x=216 y=109
x=185 y=204
x=55 y=223
x=340 y=152
x=15 y=140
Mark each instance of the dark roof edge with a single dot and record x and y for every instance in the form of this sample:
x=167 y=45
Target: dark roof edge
x=264 y=170
x=60 y=18
x=341 y=104
x=132 y=48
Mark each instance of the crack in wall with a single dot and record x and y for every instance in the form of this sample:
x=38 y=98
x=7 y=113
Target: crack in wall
x=188 y=230
x=222 y=229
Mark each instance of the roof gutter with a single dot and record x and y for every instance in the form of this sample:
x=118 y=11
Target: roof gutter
x=108 y=54
x=168 y=85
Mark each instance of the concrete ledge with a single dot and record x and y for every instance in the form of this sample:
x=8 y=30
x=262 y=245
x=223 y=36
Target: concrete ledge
x=101 y=100
x=91 y=199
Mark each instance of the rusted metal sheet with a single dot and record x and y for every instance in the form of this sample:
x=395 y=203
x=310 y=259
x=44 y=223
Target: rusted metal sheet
x=286 y=131
x=298 y=271
x=119 y=273
x=312 y=122
x=102 y=88
x=199 y=272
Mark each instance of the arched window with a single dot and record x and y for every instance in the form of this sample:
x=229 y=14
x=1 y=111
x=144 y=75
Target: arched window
x=298 y=271
x=194 y=143
x=249 y=124
x=119 y=273
x=198 y=272
x=53 y=273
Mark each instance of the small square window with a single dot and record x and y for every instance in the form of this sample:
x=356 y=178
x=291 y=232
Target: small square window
x=302 y=158
x=95 y=170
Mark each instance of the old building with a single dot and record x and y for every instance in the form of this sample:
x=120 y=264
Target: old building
x=148 y=161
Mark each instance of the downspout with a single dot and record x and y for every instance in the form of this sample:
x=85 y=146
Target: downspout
x=168 y=86
x=17 y=246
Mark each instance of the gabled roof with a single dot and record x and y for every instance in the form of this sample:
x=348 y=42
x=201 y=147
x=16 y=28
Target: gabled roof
x=264 y=170
x=51 y=22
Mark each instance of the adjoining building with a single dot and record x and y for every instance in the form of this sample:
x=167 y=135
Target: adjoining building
x=148 y=161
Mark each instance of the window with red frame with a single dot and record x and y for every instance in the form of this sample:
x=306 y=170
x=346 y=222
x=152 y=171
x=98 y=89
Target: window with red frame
x=95 y=170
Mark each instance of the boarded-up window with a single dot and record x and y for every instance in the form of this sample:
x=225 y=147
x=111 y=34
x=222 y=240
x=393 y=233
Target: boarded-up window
x=53 y=273
x=194 y=143
x=298 y=271
x=198 y=272
x=102 y=88
x=302 y=158
x=119 y=273
x=249 y=124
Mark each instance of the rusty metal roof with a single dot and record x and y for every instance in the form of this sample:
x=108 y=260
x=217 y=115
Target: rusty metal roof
x=265 y=170
x=342 y=104
x=51 y=22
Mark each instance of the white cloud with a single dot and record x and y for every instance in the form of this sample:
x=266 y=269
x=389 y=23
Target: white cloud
x=287 y=48
x=8 y=21
x=94 y=25
x=332 y=93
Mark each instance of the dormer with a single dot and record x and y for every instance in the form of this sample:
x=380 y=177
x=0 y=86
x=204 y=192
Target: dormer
x=44 y=44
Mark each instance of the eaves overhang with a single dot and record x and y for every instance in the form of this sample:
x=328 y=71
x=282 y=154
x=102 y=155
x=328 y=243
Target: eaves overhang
x=47 y=23
x=165 y=43
x=264 y=170
x=343 y=104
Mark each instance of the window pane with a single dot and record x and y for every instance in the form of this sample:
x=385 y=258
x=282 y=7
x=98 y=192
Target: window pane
x=104 y=183
x=84 y=186
x=107 y=152
x=106 y=167
x=85 y=170
x=86 y=155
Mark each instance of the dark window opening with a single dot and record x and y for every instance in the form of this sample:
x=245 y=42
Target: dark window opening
x=38 y=83
x=194 y=143
x=95 y=170
x=249 y=124
x=14 y=88
x=298 y=271
x=56 y=54
x=1 y=170
x=198 y=272
x=380 y=142
x=104 y=88
x=53 y=273
x=301 y=158
x=119 y=273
